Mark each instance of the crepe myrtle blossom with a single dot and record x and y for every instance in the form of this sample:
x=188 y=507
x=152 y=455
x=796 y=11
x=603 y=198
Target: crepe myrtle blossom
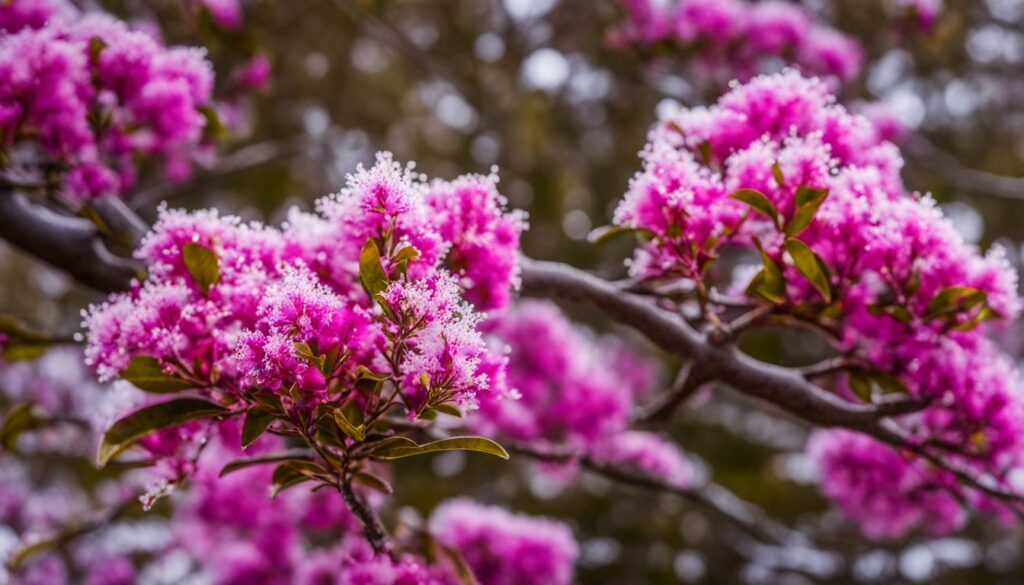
x=90 y=95
x=228 y=530
x=732 y=39
x=483 y=239
x=648 y=453
x=279 y=304
x=887 y=492
x=33 y=14
x=573 y=389
x=812 y=192
x=324 y=330
x=503 y=548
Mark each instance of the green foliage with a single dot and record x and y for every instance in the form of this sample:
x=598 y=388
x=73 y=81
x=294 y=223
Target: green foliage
x=760 y=203
x=246 y=462
x=256 y=422
x=769 y=282
x=146 y=373
x=478 y=444
x=20 y=418
x=22 y=342
x=808 y=201
x=151 y=419
x=202 y=264
x=608 y=232
x=811 y=266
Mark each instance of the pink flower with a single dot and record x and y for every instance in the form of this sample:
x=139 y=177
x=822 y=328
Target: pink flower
x=95 y=94
x=504 y=548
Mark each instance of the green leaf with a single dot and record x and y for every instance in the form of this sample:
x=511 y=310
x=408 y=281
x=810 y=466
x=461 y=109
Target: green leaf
x=769 y=282
x=243 y=463
x=153 y=418
x=371 y=272
x=861 y=385
x=705 y=150
x=373 y=481
x=147 y=374
x=37 y=546
x=202 y=264
x=759 y=202
x=454 y=556
x=806 y=195
x=608 y=232
x=292 y=473
x=353 y=430
x=982 y=315
x=954 y=299
x=256 y=422
x=269 y=402
x=780 y=179
x=808 y=202
x=808 y=263
x=22 y=343
x=23 y=417
x=96 y=46
x=449 y=408
x=395 y=441
x=406 y=254
x=215 y=128
x=888 y=383
x=478 y=444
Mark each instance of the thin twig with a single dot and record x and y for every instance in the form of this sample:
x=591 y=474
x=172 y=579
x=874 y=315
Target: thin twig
x=711 y=497
x=687 y=382
x=963 y=178
x=242 y=159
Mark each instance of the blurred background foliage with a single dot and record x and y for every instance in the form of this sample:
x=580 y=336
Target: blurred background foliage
x=532 y=87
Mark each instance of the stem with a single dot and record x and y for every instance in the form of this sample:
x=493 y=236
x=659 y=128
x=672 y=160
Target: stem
x=712 y=497
x=373 y=528
x=688 y=381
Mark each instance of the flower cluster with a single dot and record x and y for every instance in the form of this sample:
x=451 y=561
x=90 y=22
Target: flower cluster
x=222 y=530
x=732 y=39
x=573 y=390
x=325 y=309
x=483 y=240
x=90 y=95
x=503 y=548
x=776 y=167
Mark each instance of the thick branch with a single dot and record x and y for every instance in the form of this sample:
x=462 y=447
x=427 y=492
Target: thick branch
x=71 y=244
x=785 y=388
x=782 y=387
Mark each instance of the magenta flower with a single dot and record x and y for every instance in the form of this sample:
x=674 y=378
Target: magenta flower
x=503 y=548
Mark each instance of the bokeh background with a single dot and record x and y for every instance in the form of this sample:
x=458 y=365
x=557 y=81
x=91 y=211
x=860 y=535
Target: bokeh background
x=533 y=87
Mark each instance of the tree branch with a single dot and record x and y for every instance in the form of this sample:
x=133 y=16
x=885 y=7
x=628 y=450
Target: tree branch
x=963 y=178
x=782 y=387
x=71 y=244
x=374 y=529
x=712 y=497
x=687 y=382
x=242 y=159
